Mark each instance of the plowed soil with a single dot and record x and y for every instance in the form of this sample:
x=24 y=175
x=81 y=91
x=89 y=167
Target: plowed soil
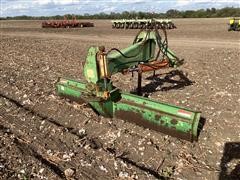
x=43 y=136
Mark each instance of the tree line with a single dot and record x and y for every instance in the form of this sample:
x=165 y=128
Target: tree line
x=172 y=13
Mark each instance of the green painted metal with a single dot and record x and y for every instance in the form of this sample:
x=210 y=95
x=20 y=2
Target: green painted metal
x=154 y=36
x=70 y=88
x=142 y=50
x=78 y=91
x=170 y=119
x=108 y=101
x=137 y=52
x=90 y=70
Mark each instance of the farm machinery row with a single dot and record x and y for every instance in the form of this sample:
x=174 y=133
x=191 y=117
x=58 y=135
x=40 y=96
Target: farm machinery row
x=66 y=24
x=143 y=24
x=149 y=52
x=118 y=24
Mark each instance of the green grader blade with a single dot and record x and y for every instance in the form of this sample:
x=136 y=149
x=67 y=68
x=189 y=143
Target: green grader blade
x=169 y=119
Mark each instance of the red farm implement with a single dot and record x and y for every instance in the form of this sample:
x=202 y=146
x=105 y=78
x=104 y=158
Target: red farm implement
x=66 y=24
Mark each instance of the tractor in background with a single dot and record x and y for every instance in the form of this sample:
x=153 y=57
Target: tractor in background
x=234 y=24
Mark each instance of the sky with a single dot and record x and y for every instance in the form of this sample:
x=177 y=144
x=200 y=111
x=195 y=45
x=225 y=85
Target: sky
x=61 y=7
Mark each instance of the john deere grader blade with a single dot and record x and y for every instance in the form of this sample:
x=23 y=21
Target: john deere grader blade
x=107 y=100
x=169 y=119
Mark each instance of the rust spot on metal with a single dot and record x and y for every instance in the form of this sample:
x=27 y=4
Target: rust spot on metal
x=140 y=106
x=174 y=121
x=158 y=117
x=154 y=65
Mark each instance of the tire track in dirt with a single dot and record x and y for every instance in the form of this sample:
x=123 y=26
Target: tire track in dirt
x=94 y=144
x=27 y=150
x=30 y=150
x=38 y=149
x=129 y=161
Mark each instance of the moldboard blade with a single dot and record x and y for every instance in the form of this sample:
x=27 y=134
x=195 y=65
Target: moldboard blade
x=71 y=89
x=168 y=119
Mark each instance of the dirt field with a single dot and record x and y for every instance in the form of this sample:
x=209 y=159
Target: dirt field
x=43 y=136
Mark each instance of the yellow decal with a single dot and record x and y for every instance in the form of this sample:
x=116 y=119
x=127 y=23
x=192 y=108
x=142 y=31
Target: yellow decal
x=90 y=73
